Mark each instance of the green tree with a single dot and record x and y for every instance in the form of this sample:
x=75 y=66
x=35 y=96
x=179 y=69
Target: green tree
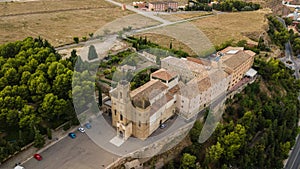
x=28 y=118
x=62 y=85
x=38 y=86
x=52 y=108
x=158 y=62
x=39 y=140
x=49 y=133
x=215 y=152
x=99 y=96
x=76 y=40
x=195 y=131
x=188 y=161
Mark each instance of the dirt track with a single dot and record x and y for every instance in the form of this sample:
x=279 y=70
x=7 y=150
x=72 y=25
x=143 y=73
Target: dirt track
x=52 y=11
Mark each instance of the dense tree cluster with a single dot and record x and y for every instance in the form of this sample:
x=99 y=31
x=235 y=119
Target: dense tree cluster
x=259 y=125
x=141 y=44
x=199 y=6
x=141 y=78
x=222 y=5
x=295 y=41
x=235 y=5
x=277 y=31
x=280 y=35
x=35 y=93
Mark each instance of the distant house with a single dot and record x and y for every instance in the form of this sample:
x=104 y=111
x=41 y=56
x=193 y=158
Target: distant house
x=139 y=4
x=165 y=6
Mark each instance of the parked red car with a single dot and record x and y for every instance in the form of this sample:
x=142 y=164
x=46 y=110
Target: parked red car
x=38 y=157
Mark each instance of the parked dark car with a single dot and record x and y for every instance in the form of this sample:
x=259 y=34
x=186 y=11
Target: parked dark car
x=162 y=126
x=72 y=135
x=88 y=125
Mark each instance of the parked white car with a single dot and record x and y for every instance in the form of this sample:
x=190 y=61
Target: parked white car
x=81 y=129
x=19 y=167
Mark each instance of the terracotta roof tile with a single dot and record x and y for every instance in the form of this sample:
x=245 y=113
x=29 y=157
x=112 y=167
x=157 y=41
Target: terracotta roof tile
x=164 y=74
x=147 y=91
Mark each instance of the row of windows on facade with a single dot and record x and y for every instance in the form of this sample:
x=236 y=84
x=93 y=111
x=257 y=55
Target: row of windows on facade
x=121 y=118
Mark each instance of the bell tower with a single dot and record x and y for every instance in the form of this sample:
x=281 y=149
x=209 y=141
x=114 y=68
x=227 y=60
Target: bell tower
x=122 y=109
x=123 y=90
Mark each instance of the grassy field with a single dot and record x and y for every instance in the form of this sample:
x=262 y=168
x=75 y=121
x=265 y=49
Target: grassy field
x=237 y=26
x=56 y=20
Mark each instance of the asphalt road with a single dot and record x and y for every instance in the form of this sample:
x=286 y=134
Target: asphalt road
x=294 y=160
x=78 y=153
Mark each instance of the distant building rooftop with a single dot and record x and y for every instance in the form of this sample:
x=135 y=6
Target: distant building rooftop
x=198 y=85
x=236 y=60
x=163 y=74
x=162 y=2
x=145 y=93
x=232 y=52
x=230 y=48
x=199 y=61
x=185 y=63
x=159 y=103
x=249 y=52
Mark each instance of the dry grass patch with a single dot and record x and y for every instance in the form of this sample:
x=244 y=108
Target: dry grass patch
x=165 y=41
x=135 y=21
x=224 y=27
x=55 y=20
x=192 y=14
x=184 y=15
x=17 y=8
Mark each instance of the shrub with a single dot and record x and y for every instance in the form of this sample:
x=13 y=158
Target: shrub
x=67 y=126
x=76 y=40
